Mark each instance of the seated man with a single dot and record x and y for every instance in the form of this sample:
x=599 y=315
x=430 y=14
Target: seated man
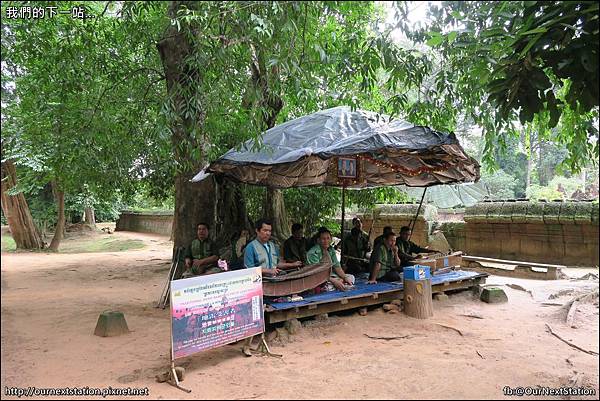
x=385 y=263
x=324 y=252
x=407 y=248
x=355 y=247
x=294 y=248
x=201 y=257
x=379 y=240
x=262 y=252
x=238 y=243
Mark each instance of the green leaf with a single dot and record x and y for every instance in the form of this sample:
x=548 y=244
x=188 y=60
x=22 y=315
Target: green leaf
x=452 y=36
x=530 y=44
x=435 y=39
x=536 y=30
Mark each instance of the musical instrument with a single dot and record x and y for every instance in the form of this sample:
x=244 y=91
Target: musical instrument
x=440 y=261
x=296 y=281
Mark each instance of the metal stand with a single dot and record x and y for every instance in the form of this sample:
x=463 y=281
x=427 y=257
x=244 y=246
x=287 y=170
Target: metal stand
x=263 y=348
x=174 y=380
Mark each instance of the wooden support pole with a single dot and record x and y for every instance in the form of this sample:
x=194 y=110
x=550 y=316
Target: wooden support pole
x=342 y=228
x=414 y=221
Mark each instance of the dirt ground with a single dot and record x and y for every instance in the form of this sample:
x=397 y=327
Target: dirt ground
x=51 y=302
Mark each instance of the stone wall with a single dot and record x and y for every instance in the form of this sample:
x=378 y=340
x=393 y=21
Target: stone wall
x=456 y=234
x=147 y=222
x=398 y=216
x=564 y=233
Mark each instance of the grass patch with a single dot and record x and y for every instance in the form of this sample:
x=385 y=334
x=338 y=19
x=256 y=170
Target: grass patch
x=8 y=243
x=102 y=244
x=83 y=244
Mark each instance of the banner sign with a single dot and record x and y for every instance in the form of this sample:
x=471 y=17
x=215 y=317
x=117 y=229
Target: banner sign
x=214 y=310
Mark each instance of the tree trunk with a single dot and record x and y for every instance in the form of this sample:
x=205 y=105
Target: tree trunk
x=16 y=210
x=528 y=173
x=60 y=219
x=90 y=217
x=194 y=203
x=417 y=298
x=274 y=210
x=270 y=104
x=231 y=216
x=543 y=173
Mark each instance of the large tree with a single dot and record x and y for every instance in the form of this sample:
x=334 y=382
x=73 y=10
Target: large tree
x=242 y=67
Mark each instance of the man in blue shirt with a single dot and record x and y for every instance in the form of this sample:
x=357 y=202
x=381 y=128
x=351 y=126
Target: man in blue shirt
x=262 y=252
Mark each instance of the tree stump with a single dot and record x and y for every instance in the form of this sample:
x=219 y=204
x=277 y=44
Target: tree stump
x=417 y=298
x=111 y=324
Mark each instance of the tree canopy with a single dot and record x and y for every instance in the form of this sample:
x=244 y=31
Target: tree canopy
x=535 y=62
x=144 y=92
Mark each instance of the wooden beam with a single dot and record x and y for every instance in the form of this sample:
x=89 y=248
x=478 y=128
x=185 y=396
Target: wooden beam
x=471 y=258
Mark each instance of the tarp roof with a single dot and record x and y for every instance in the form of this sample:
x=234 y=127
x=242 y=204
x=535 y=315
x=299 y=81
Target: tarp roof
x=306 y=151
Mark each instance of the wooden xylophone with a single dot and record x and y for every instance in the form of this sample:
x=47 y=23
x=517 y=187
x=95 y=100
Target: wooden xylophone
x=440 y=261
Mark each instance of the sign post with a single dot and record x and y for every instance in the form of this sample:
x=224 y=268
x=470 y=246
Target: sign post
x=214 y=310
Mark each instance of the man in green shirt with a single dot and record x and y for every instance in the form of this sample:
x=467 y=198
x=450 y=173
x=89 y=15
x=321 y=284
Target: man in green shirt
x=407 y=248
x=379 y=240
x=201 y=256
x=294 y=248
x=355 y=247
x=324 y=252
x=385 y=263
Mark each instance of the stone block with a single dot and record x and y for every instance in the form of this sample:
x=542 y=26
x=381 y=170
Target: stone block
x=519 y=212
x=111 y=324
x=293 y=326
x=494 y=212
x=583 y=213
x=440 y=297
x=271 y=336
x=535 y=212
x=322 y=316
x=552 y=212
x=282 y=334
x=493 y=295
x=568 y=211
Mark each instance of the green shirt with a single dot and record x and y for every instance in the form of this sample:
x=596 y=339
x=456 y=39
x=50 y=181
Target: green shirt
x=200 y=250
x=378 y=241
x=407 y=248
x=295 y=250
x=315 y=254
x=385 y=256
x=356 y=246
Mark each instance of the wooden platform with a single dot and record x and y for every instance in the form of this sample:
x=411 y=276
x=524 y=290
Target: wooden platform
x=512 y=268
x=342 y=302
